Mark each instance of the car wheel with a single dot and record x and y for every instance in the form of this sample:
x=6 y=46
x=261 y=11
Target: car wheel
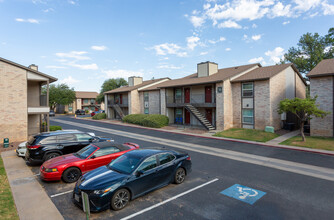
x=71 y=175
x=120 y=199
x=50 y=156
x=180 y=175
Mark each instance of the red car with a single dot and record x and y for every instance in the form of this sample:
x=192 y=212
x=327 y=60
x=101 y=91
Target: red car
x=71 y=166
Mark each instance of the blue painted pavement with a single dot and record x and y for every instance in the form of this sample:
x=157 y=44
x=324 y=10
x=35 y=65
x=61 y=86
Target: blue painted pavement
x=243 y=193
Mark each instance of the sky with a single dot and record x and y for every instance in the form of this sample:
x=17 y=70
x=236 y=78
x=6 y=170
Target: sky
x=83 y=42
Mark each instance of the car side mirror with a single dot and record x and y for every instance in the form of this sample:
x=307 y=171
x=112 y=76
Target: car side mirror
x=139 y=173
x=93 y=157
x=91 y=140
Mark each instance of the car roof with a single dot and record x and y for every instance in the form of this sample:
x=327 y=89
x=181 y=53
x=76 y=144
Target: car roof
x=55 y=133
x=147 y=152
x=105 y=144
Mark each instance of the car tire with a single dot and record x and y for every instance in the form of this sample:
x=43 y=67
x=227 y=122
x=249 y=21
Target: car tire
x=120 y=199
x=71 y=175
x=180 y=175
x=51 y=155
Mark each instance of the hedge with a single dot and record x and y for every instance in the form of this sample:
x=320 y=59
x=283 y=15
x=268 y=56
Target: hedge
x=55 y=128
x=99 y=116
x=153 y=121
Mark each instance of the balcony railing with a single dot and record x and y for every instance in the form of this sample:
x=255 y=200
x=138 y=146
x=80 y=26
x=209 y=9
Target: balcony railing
x=197 y=99
x=43 y=100
x=123 y=103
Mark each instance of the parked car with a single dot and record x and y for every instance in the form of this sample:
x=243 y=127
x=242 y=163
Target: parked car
x=80 y=112
x=47 y=145
x=96 y=112
x=70 y=167
x=21 y=149
x=131 y=175
x=52 y=113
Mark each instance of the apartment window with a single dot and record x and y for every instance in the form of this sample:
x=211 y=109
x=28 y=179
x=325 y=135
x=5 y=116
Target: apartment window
x=178 y=95
x=145 y=96
x=86 y=101
x=146 y=111
x=247 y=90
x=179 y=116
x=92 y=101
x=248 y=116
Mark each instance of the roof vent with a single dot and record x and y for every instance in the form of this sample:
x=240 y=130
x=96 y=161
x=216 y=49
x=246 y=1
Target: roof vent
x=33 y=67
x=206 y=69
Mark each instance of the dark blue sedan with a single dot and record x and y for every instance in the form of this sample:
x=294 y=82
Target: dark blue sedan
x=131 y=175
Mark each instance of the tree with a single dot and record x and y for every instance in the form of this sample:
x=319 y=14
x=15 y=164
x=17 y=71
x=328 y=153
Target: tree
x=312 y=48
x=110 y=84
x=60 y=94
x=303 y=109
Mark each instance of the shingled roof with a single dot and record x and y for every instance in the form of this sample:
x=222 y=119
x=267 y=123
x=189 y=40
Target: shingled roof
x=86 y=95
x=324 y=68
x=131 y=88
x=220 y=76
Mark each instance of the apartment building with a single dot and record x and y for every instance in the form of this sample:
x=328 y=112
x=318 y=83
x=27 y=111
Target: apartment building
x=23 y=106
x=84 y=100
x=322 y=85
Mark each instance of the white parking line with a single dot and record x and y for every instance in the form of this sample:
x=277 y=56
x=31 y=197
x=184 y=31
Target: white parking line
x=168 y=200
x=59 y=194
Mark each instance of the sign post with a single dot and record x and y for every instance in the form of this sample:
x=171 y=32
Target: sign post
x=85 y=204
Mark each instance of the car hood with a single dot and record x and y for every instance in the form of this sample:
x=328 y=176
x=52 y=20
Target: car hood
x=100 y=178
x=61 y=160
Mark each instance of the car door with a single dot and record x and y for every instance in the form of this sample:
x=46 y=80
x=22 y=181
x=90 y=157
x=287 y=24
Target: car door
x=83 y=140
x=146 y=181
x=102 y=157
x=67 y=143
x=165 y=171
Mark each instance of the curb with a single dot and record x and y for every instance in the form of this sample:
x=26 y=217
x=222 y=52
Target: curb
x=315 y=151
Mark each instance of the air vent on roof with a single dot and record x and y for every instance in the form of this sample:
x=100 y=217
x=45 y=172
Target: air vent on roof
x=206 y=69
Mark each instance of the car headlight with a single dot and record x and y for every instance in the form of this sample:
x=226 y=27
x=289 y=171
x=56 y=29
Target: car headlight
x=51 y=170
x=103 y=191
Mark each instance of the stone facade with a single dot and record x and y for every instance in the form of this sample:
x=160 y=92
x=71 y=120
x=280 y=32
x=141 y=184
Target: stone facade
x=220 y=107
x=228 y=105
x=236 y=97
x=262 y=108
x=323 y=88
x=134 y=105
x=13 y=99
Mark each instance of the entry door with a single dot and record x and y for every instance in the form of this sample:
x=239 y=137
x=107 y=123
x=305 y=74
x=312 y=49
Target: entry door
x=208 y=115
x=208 y=94
x=120 y=99
x=187 y=95
x=187 y=117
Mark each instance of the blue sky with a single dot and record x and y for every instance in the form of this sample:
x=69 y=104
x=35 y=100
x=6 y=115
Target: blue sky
x=83 y=42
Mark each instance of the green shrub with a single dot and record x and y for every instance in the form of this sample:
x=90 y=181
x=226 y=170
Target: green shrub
x=154 y=121
x=99 y=116
x=65 y=112
x=55 y=128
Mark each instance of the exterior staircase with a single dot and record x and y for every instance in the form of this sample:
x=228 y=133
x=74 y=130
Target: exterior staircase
x=199 y=117
x=118 y=110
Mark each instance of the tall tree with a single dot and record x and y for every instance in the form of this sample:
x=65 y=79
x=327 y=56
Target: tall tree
x=310 y=50
x=304 y=109
x=110 y=84
x=60 y=94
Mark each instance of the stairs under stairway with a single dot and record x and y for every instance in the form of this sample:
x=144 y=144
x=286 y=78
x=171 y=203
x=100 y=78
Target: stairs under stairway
x=200 y=117
x=118 y=110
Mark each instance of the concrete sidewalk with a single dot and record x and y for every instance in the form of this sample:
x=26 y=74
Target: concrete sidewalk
x=31 y=200
x=283 y=137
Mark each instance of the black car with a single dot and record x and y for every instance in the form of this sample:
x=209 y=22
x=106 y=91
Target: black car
x=45 y=146
x=80 y=112
x=52 y=113
x=131 y=175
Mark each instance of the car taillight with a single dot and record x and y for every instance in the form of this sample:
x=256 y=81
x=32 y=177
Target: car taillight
x=188 y=158
x=33 y=146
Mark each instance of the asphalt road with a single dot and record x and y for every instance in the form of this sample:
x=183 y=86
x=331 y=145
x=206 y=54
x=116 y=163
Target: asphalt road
x=287 y=195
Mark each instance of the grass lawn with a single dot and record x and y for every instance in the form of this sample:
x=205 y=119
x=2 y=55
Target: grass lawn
x=7 y=206
x=323 y=143
x=247 y=134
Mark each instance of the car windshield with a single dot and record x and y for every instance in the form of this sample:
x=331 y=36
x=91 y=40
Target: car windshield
x=85 y=152
x=124 y=164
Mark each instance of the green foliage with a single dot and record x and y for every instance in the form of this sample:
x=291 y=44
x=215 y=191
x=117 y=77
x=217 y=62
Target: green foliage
x=55 y=128
x=110 y=84
x=60 y=94
x=154 y=121
x=86 y=111
x=312 y=48
x=247 y=134
x=99 y=116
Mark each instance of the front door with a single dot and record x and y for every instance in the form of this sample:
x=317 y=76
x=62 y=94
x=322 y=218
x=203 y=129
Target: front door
x=208 y=94
x=120 y=99
x=187 y=117
x=187 y=95
x=208 y=115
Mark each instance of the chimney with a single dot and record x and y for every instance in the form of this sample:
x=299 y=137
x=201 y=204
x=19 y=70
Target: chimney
x=206 y=69
x=33 y=67
x=135 y=80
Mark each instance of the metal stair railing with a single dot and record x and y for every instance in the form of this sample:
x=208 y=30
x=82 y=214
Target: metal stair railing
x=198 y=115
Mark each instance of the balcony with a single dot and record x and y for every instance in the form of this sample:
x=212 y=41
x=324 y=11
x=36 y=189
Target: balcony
x=124 y=103
x=197 y=100
x=38 y=105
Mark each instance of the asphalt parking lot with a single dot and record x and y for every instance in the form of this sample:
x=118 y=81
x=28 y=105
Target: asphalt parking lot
x=287 y=195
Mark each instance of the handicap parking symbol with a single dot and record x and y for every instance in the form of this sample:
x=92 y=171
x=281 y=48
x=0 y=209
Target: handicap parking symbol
x=243 y=193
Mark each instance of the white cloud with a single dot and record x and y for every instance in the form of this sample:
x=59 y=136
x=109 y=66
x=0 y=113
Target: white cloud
x=328 y=9
x=256 y=37
x=169 y=48
x=55 y=67
x=204 y=53
x=120 y=72
x=71 y=2
x=286 y=22
x=29 y=20
x=279 y=10
x=229 y=24
x=92 y=66
x=78 y=55
x=257 y=60
x=216 y=41
x=197 y=21
x=228 y=49
x=98 y=47
x=166 y=66
x=245 y=37
x=254 y=26
x=69 y=80
x=306 y=5
x=275 y=55
x=48 y=10
x=192 y=42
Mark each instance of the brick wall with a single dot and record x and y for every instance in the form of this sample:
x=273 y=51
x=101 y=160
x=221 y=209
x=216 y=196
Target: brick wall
x=261 y=104
x=154 y=102
x=13 y=99
x=323 y=88
x=134 y=105
x=277 y=93
x=300 y=88
x=228 y=105
x=220 y=107
x=236 y=97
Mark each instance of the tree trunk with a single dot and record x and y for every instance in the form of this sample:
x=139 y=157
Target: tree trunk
x=302 y=131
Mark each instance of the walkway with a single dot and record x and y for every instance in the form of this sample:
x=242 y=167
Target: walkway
x=283 y=137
